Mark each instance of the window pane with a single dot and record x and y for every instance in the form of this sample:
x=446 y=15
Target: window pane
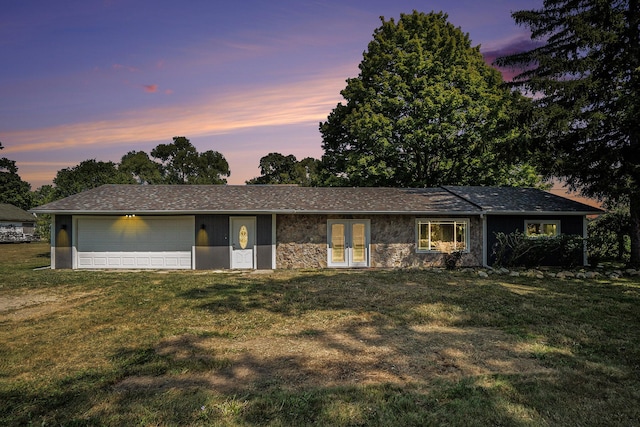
x=423 y=236
x=442 y=237
x=549 y=229
x=359 y=243
x=461 y=237
x=337 y=243
x=542 y=229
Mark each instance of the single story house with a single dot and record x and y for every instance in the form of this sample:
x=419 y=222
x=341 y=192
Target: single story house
x=16 y=225
x=281 y=226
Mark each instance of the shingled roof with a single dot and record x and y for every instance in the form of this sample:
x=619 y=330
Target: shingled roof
x=173 y=199
x=239 y=199
x=13 y=213
x=511 y=200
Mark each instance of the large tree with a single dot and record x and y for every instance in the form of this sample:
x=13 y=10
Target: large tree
x=276 y=168
x=425 y=110
x=13 y=189
x=586 y=80
x=182 y=164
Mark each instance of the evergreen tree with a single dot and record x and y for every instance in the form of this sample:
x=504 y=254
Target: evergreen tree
x=586 y=81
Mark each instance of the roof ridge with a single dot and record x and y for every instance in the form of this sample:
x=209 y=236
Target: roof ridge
x=448 y=189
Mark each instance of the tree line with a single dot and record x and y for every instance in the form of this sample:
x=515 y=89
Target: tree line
x=426 y=110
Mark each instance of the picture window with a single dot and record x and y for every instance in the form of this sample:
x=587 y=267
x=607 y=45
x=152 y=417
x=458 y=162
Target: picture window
x=442 y=235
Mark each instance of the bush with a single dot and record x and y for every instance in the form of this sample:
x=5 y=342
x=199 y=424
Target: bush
x=518 y=250
x=451 y=260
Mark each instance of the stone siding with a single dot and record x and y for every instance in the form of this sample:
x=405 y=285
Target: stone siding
x=302 y=242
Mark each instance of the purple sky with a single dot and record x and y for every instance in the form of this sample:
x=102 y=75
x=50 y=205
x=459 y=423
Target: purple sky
x=92 y=79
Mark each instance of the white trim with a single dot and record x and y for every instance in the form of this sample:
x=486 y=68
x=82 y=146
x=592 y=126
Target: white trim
x=273 y=241
x=74 y=245
x=52 y=231
x=467 y=233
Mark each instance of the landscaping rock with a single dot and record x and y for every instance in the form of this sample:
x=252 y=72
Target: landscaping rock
x=514 y=274
x=592 y=274
x=483 y=274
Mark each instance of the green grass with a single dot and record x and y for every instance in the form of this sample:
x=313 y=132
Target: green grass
x=317 y=347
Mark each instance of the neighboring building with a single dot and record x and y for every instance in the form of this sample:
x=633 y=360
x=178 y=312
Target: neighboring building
x=272 y=226
x=16 y=225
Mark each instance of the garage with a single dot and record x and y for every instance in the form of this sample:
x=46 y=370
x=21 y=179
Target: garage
x=135 y=242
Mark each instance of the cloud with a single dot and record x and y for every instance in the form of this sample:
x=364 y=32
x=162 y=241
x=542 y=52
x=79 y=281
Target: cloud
x=150 y=88
x=308 y=101
x=510 y=47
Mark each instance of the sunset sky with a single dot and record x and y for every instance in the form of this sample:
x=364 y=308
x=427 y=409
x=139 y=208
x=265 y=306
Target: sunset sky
x=96 y=79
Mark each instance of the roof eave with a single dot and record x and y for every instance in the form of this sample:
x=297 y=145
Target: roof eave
x=544 y=213
x=252 y=212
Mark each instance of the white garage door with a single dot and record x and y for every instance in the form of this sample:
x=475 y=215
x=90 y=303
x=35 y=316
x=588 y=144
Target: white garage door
x=135 y=242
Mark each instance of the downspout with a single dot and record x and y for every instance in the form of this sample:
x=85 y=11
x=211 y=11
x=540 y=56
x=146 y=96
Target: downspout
x=485 y=241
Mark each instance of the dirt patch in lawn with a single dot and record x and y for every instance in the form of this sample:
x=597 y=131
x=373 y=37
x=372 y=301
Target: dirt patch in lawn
x=38 y=303
x=345 y=357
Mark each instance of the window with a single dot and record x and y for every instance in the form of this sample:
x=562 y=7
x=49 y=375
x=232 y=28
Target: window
x=538 y=228
x=443 y=235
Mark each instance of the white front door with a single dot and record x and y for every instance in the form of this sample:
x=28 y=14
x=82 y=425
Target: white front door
x=348 y=243
x=243 y=240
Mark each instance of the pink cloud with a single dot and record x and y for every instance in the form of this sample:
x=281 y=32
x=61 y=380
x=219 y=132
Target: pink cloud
x=150 y=88
x=521 y=44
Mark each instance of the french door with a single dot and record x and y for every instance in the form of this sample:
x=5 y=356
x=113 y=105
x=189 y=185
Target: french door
x=348 y=242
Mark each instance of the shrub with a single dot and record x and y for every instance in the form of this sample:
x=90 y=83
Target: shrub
x=451 y=260
x=518 y=250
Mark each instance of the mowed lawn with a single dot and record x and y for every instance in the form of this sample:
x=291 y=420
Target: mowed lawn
x=318 y=347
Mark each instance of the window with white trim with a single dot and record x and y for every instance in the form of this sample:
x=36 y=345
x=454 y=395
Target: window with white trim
x=542 y=228
x=442 y=235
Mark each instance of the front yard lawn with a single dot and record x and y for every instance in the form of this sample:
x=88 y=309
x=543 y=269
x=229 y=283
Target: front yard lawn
x=319 y=347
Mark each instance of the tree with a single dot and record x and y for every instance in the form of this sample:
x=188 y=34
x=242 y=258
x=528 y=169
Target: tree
x=425 y=110
x=182 y=164
x=88 y=174
x=280 y=169
x=13 y=189
x=43 y=195
x=141 y=167
x=586 y=82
